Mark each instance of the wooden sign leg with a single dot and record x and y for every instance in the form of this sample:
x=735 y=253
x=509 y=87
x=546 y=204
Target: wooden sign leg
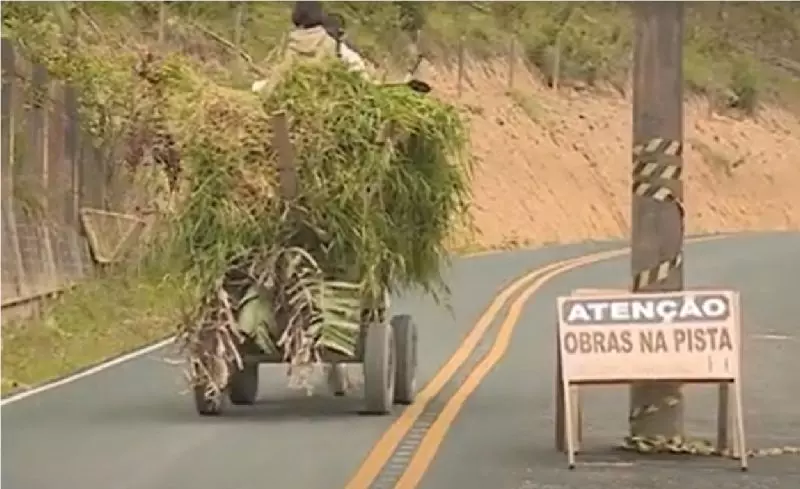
x=577 y=416
x=562 y=397
x=741 y=442
x=723 y=417
x=570 y=431
x=561 y=427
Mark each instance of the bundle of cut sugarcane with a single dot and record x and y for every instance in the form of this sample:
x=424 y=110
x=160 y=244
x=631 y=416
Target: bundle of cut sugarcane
x=372 y=214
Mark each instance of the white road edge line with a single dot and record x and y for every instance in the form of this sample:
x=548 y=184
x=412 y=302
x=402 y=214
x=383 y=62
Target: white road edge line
x=124 y=358
x=85 y=373
x=161 y=344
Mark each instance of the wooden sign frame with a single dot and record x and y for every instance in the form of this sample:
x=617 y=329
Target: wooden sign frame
x=569 y=411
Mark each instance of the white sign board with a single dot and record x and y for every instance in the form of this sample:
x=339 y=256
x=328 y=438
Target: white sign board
x=689 y=335
x=615 y=337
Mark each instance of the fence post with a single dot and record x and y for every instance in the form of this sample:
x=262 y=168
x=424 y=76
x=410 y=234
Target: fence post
x=565 y=16
x=238 y=28
x=460 y=65
x=556 y=63
x=512 y=55
x=162 y=21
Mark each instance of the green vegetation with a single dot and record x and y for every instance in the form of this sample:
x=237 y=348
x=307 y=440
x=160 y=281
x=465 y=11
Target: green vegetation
x=381 y=184
x=145 y=69
x=104 y=317
x=594 y=39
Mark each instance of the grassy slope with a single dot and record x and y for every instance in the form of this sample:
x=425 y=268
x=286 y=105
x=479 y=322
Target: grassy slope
x=739 y=51
x=729 y=46
x=106 y=317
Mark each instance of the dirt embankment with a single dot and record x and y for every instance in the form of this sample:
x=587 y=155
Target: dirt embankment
x=555 y=167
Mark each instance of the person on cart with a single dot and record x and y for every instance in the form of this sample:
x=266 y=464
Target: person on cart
x=316 y=36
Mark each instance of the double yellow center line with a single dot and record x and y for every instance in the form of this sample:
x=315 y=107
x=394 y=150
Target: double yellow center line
x=425 y=452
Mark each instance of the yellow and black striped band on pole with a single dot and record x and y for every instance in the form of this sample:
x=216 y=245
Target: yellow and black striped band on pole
x=657 y=161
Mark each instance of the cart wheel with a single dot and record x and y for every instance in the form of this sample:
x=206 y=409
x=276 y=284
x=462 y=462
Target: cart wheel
x=243 y=386
x=379 y=368
x=205 y=405
x=405 y=342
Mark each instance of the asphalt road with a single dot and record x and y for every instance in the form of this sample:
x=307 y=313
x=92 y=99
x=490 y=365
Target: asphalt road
x=129 y=427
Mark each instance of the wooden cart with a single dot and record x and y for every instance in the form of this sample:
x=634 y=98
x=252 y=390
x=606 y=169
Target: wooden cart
x=387 y=351
x=386 y=348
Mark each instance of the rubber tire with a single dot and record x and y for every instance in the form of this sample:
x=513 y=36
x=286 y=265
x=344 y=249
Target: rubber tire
x=405 y=344
x=206 y=406
x=379 y=368
x=243 y=386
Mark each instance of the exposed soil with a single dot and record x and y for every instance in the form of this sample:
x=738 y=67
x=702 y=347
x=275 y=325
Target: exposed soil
x=555 y=167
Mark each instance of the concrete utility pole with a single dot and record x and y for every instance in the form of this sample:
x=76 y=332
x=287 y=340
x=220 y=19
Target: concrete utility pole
x=657 y=217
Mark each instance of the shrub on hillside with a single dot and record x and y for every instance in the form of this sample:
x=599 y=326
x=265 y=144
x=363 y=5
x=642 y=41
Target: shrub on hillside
x=745 y=85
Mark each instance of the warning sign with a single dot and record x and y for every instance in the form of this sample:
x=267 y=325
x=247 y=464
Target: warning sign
x=688 y=335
